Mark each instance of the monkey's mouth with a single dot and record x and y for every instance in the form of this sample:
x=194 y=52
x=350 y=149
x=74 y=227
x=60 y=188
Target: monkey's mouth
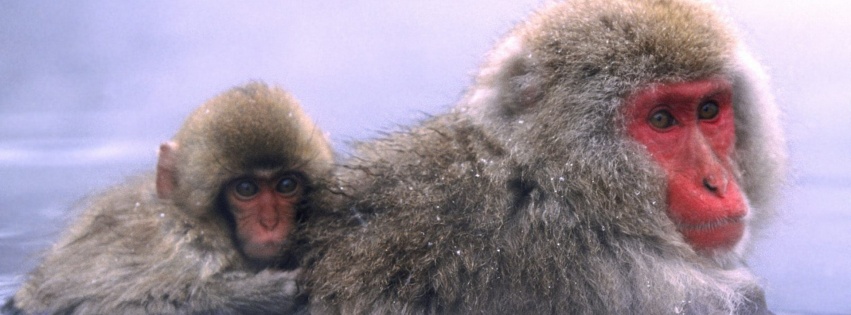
x=714 y=224
x=723 y=233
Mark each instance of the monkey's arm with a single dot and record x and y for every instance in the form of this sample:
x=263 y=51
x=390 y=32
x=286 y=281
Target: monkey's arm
x=266 y=292
x=210 y=276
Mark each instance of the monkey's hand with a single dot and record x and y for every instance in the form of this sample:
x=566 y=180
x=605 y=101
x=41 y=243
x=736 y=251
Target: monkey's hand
x=265 y=292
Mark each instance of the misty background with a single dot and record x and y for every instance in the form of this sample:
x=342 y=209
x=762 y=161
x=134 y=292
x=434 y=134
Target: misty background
x=88 y=89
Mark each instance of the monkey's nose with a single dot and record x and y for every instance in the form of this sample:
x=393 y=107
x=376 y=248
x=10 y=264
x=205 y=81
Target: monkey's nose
x=715 y=184
x=268 y=223
x=269 y=218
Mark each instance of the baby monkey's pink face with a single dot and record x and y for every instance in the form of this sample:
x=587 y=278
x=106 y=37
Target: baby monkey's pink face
x=264 y=208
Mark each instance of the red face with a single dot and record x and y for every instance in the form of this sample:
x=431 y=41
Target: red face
x=264 y=209
x=689 y=129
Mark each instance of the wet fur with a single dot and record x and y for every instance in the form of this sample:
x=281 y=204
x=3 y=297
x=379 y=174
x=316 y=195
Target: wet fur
x=527 y=198
x=130 y=252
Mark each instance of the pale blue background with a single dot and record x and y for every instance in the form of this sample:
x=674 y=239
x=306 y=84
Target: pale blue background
x=89 y=88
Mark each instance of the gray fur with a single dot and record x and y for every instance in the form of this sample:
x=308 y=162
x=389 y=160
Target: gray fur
x=527 y=198
x=130 y=252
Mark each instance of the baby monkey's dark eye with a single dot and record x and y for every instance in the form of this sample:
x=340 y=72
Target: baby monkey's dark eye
x=245 y=188
x=288 y=185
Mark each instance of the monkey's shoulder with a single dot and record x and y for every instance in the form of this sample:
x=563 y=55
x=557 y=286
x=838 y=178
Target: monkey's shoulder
x=443 y=151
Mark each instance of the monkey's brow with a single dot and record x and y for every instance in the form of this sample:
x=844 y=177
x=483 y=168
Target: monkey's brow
x=267 y=172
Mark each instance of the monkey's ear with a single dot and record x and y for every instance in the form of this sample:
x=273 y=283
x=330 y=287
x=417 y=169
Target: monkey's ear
x=513 y=70
x=166 y=170
x=524 y=91
x=508 y=84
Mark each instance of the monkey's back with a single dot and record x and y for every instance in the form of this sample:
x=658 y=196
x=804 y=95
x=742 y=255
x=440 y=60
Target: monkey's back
x=124 y=252
x=441 y=220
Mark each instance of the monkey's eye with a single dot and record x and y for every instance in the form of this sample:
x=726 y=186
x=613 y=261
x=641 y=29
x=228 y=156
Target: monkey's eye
x=662 y=119
x=708 y=110
x=288 y=185
x=245 y=188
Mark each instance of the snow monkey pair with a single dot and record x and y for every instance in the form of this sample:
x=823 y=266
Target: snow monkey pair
x=612 y=157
